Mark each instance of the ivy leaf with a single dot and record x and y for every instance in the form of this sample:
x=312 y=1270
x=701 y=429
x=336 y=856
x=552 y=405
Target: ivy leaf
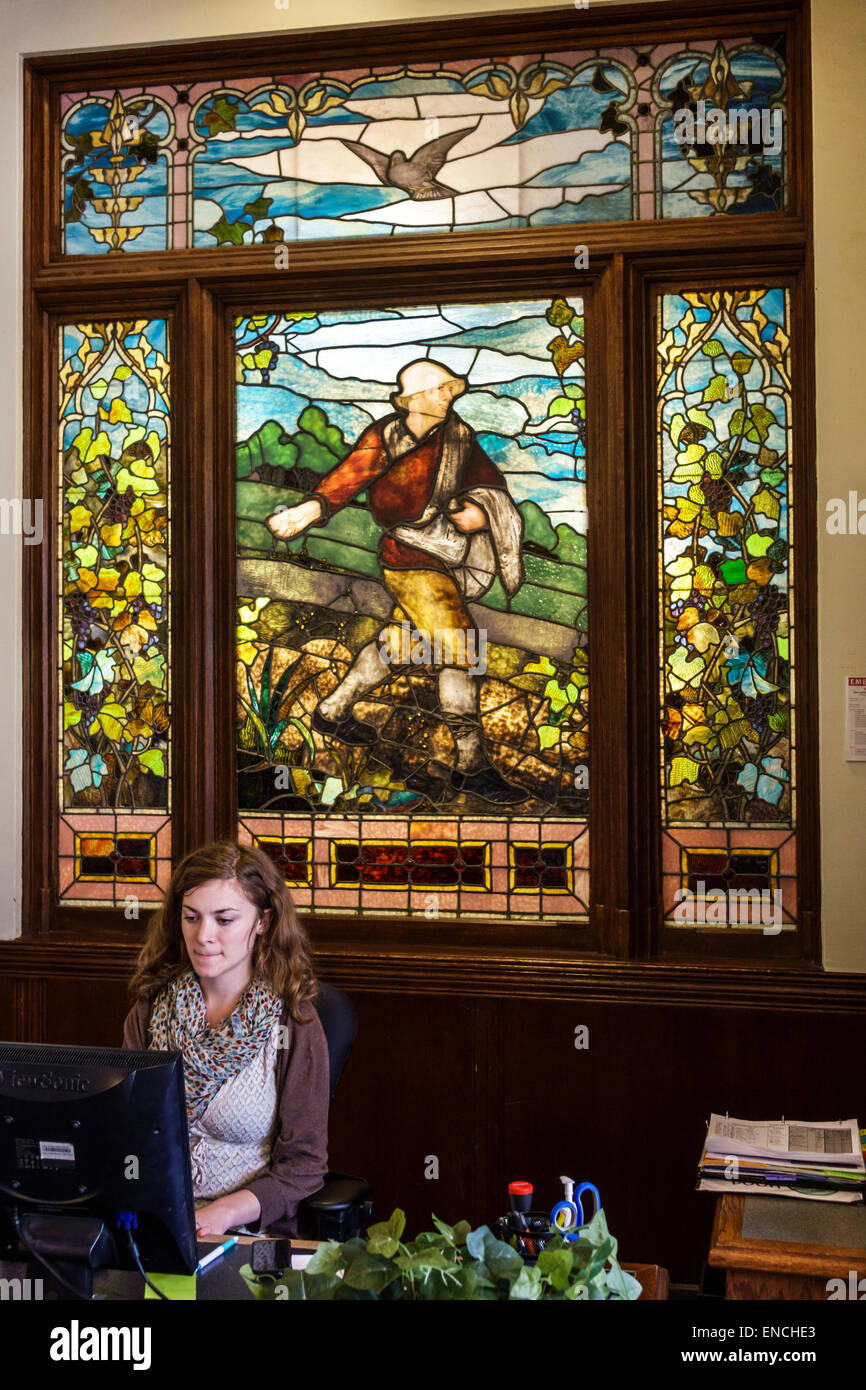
x=227 y=232
x=80 y=193
x=766 y=503
x=258 y=208
x=152 y=759
x=220 y=116
x=772 y=476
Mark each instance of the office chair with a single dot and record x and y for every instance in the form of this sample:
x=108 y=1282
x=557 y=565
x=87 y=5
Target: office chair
x=343 y=1202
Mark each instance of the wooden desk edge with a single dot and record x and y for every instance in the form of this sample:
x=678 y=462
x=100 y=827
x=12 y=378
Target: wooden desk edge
x=730 y=1249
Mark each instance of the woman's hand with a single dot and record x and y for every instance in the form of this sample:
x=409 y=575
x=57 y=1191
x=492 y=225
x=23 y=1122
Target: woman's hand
x=235 y=1209
x=469 y=518
x=291 y=521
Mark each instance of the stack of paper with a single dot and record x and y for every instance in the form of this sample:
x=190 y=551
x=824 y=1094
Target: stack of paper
x=819 y=1160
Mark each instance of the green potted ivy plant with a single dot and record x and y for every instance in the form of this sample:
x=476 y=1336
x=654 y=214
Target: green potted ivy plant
x=453 y=1262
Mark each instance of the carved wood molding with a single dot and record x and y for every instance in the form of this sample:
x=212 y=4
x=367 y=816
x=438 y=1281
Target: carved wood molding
x=495 y=974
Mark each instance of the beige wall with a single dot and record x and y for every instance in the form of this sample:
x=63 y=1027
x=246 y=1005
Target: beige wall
x=839 y=50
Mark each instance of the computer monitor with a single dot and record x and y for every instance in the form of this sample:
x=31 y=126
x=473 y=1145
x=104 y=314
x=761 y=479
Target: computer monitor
x=94 y=1149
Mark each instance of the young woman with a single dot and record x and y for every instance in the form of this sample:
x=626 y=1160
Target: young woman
x=225 y=976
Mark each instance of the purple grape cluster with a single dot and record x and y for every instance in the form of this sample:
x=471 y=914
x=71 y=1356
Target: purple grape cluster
x=81 y=616
x=120 y=505
x=717 y=494
x=88 y=704
x=757 y=708
x=765 y=612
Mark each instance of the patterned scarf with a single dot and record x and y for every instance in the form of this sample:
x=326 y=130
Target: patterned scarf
x=211 y=1054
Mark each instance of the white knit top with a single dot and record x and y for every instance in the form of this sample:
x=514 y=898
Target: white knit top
x=230 y=1143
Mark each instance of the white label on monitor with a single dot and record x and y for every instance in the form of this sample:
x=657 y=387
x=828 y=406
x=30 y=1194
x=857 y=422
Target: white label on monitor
x=64 y=1153
x=855 y=719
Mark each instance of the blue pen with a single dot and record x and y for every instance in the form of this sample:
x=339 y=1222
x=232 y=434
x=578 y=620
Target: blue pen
x=215 y=1254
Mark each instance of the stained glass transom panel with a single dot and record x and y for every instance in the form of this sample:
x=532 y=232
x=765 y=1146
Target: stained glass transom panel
x=681 y=129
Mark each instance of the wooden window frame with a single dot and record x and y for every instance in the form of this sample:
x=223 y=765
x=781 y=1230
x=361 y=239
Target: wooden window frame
x=200 y=291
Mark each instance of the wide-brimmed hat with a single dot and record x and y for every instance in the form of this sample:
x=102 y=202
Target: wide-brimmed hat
x=419 y=376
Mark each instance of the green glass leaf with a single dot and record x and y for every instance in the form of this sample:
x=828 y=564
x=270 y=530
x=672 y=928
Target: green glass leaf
x=757 y=545
x=772 y=476
x=258 y=208
x=152 y=759
x=717 y=390
x=700 y=417
x=733 y=571
x=713 y=348
x=227 y=233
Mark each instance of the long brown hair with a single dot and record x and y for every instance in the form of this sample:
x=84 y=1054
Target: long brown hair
x=281 y=955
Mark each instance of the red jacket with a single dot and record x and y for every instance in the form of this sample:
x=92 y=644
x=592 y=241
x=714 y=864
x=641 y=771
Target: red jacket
x=399 y=489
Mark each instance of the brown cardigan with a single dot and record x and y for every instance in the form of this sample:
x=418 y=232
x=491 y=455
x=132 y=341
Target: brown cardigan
x=299 y=1156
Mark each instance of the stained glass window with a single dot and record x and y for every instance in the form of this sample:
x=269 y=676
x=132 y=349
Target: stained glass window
x=728 y=772
x=680 y=129
x=115 y=803
x=412 y=697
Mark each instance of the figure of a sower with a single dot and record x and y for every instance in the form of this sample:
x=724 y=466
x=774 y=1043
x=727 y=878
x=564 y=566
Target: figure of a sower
x=450 y=527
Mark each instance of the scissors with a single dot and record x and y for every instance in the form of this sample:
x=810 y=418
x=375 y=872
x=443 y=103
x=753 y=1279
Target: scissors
x=567 y=1215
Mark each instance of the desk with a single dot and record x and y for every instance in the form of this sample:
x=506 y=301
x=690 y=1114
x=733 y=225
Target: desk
x=784 y=1247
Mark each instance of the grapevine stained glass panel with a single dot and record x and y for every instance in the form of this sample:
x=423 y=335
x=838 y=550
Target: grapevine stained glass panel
x=115 y=803
x=543 y=139
x=728 y=769
x=412 y=697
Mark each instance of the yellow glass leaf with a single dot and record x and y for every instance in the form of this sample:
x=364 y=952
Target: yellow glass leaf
x=132 y=584
x=141 y=468
x=137 y=728
x=691 y=454
x=79 y=519
x=703 y=635
x=71 y=715
x=695 y=714
x=111 y=532
x=139 y=485
x=699 y=734
x=150 y=668
x=99 y=447
x=109 y=719
x=119 y=411
x=704 y=579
